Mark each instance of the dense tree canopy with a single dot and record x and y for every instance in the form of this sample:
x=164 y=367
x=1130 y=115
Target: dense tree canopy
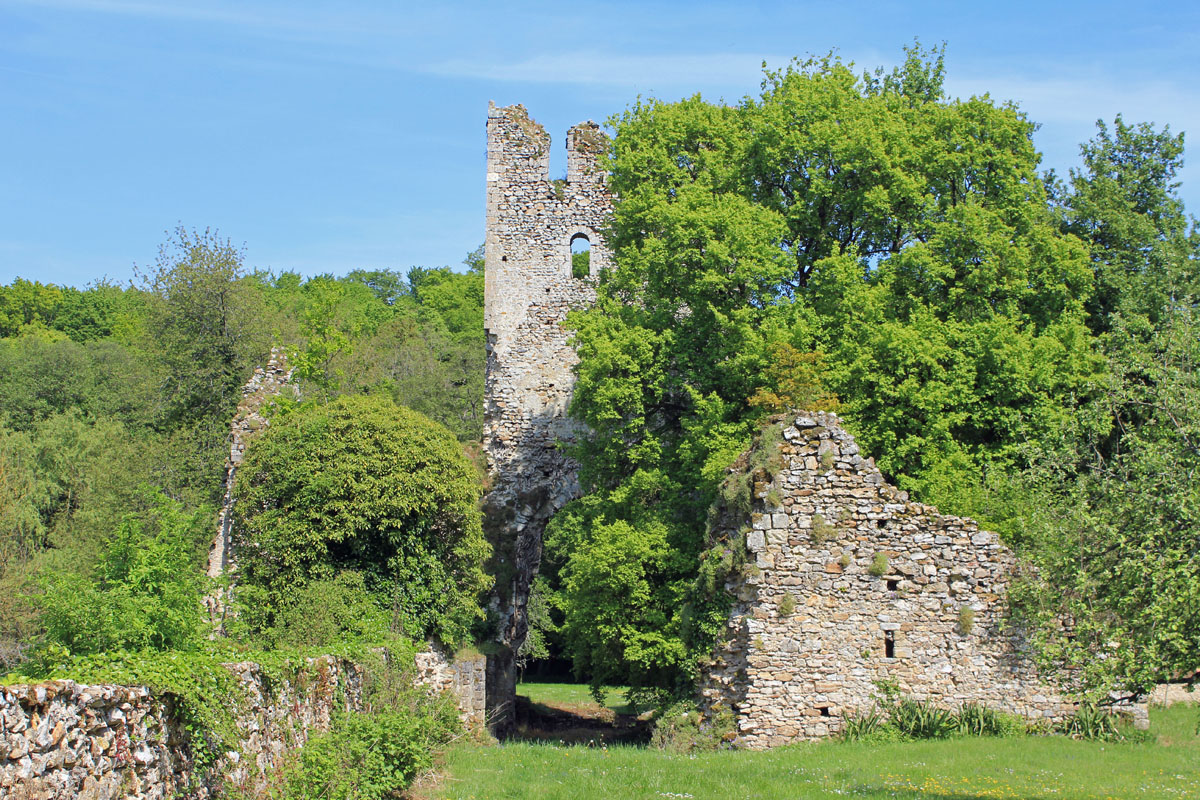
x=866 y=238
x=105 y=390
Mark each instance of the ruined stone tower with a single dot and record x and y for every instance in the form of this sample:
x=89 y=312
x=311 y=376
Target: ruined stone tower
x=531 y=224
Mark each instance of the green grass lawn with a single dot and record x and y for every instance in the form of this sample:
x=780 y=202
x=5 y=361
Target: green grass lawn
x=572 y=696
x=958 y=769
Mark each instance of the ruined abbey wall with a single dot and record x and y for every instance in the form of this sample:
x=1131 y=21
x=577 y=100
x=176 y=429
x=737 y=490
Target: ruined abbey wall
x=529 y=288
x=849 y=583
x=61 y=739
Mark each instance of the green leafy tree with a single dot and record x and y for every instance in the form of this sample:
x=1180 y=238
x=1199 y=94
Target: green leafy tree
x=28 y=303
x=205 y=323
x=900 y=240
x=1112 y=521
x=363 y=485
x=1124 y=203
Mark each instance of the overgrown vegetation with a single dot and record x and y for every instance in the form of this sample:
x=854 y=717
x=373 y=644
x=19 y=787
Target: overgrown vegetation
x=365 y=487
x=115 y=406
x=1005 y=344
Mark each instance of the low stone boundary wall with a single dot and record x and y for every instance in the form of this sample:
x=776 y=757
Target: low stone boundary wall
x=62 y=739
x=1168 y=694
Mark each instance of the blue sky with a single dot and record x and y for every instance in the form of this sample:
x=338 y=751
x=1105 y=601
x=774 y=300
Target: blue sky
x=336 y=135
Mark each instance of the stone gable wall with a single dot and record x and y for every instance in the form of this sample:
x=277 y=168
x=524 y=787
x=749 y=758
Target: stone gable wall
x=529 y=289
x=816 y=529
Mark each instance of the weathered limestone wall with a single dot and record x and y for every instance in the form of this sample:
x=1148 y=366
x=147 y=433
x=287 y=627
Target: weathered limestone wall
x=265 y=385
x=61 y=739
x=931 y=621
x=1168 y=694
x=529 y=289
x=464 y=674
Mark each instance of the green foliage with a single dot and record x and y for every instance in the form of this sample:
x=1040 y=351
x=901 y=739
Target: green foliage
x=974 y=719
x=40 y=377
x=904 y=718
x=1124 y=204
x=368 y=756
x=787 y=605
x=922 y=720
x=1091 y=722
x=338 y=611
x=581 y=264
x=879 y=565
x=1110 y=518
x=858 y=238
x=364 y=485
x=147 y=591
x=680 y=728
x=206 y=319
x=868 y=726
x=822 y=531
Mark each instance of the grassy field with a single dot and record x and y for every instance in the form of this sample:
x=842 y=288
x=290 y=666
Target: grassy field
x=571 y=696
x=1041 y=768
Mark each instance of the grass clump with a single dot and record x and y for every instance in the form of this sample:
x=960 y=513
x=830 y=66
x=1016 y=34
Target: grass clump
x=879 y=565
x=1094 y=723
x=787 y=606
x=822 y=531
x=966 y=620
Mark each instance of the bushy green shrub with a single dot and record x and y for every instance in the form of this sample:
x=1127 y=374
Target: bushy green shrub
x=367 y=756
x=367 y=486
x=318 y=614
x=879 y=565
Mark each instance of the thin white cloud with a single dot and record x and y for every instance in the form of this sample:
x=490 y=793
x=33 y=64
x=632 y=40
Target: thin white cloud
x=723 y=70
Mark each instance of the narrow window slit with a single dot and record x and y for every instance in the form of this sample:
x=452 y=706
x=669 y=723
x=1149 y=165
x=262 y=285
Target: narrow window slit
x=889 y=644
x=581 y=256
x=893 y=584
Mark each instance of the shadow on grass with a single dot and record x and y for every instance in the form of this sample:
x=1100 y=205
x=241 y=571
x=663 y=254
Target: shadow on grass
x=564 y=724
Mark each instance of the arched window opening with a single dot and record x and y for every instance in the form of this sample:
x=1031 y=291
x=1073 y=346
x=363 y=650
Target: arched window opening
x=581 y=256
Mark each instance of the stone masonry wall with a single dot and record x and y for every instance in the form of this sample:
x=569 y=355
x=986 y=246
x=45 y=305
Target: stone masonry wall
x=531 y=222
x=812 y=628
x=463 y=674
x=61 y=739
x=264 y=386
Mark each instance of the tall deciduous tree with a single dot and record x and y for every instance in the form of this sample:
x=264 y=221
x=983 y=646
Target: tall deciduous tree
x=205 y=320
x=898 y=238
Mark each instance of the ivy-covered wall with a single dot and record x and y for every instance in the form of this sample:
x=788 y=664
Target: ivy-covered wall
x=62 y=739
